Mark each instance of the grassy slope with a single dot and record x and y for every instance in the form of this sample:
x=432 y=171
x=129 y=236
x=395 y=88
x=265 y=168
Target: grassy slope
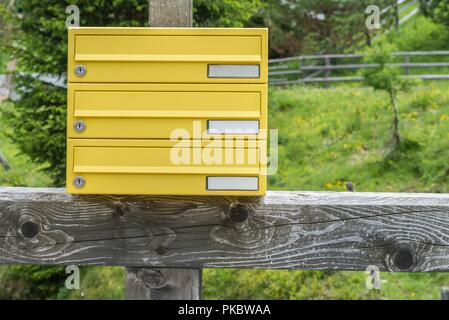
x=328 y=137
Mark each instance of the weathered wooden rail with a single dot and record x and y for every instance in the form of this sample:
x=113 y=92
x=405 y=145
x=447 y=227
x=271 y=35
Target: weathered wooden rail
x=284 y=230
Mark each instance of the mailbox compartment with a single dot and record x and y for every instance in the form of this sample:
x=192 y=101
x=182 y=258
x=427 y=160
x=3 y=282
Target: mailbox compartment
x=167 y=55
x=164 y=167
x=154 y=111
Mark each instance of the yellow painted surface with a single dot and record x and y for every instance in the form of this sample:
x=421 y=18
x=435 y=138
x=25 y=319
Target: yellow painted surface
x=144 y=86
x=155 y=111
x=162 y=55
x=153 y=167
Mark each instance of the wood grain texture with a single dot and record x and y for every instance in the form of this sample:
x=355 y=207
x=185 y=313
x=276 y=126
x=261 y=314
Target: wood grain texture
x=162 y=284
x=170 y=13
x=284 y=230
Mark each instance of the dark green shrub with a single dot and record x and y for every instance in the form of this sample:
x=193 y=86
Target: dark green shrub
x=438 y=10
x=31 y=282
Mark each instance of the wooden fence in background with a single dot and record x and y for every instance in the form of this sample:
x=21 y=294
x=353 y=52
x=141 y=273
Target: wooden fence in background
x=322 y=68
x=327 y=68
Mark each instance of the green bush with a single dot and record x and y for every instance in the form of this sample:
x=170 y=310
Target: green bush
x=438 y=10
x=31 y=282
x=224 y=13
x=420 y=34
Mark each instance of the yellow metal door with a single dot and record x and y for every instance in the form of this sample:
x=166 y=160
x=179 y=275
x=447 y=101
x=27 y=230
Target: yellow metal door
x=126 y=111
x=164 y=55
x=161 y=167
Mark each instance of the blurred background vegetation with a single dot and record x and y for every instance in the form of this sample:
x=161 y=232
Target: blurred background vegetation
x=327 y=137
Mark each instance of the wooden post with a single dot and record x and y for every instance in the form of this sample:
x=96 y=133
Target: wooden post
x=406 y=67
x=170 y=13
x=396 y=16
x=160 y=283
x=445 y=294
x=327 y=63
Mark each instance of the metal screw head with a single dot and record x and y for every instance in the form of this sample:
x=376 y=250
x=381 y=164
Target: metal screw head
x=79 y=126
x=80 y=70
x=79 y=182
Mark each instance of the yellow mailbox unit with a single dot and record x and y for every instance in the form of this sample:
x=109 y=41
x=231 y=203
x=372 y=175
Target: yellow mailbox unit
x=174 y=111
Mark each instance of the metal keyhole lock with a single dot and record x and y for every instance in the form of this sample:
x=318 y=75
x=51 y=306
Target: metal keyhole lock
x=79 y=126
x=79 y=182
x=80 y=70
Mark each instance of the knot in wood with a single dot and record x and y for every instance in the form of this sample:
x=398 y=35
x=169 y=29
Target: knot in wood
x=238 y=213
x=121 y=209
x=161 y=250
x=29 y=229
x=151 y=278
x=402 y=258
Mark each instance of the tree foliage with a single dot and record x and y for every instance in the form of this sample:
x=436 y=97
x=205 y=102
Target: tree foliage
x=225 y=13
x=438 y=10
x=311 y=26
x=31 y=282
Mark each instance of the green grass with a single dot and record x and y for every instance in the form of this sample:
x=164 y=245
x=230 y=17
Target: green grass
x=106 y=283
x=322 y=285
x=328 y=137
